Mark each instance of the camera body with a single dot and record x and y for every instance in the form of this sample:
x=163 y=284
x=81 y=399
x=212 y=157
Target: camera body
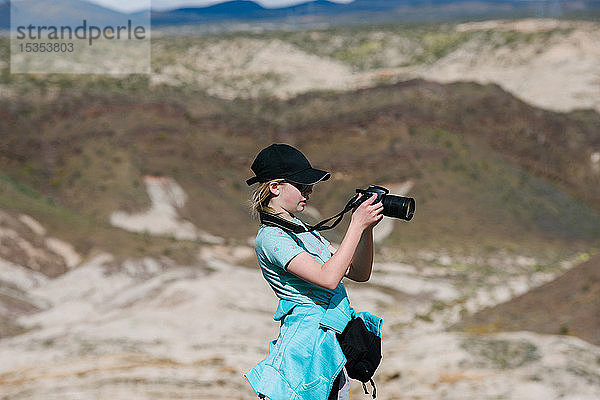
x=393 y=206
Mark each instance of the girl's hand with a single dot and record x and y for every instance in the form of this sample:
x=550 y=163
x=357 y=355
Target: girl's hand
x=367 y=215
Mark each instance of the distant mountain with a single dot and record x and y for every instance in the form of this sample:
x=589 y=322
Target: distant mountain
x=223 y=11
x=376 y=10
x=64 y=12
x=72 y=11
x=4 y=15
x=242 y=10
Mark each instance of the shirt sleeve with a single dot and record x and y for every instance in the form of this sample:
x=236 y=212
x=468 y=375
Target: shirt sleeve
x=276 y=247
x=323 y=240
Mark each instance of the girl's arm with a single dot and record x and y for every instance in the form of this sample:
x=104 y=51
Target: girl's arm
x=362 y=262
x=356 y=245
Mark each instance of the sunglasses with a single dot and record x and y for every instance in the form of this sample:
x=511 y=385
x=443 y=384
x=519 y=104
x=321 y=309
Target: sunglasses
x=300 y=186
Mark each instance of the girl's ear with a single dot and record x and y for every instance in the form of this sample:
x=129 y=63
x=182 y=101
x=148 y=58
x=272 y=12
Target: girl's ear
x=274 y=188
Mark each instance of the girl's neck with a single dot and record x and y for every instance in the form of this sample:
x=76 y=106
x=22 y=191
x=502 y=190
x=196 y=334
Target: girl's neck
x=280 y=211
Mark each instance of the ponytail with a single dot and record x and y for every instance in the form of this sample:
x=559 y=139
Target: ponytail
x=261 y=197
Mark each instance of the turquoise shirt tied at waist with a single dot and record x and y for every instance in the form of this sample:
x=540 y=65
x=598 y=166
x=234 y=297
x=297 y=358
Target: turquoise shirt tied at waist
x=305 y=359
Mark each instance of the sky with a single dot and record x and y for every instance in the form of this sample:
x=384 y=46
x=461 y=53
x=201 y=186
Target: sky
x=137 y=5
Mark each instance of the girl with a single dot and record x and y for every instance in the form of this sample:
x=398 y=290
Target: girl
x=306 y=362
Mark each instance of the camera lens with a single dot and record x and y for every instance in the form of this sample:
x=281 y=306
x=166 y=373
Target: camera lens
x=398 y=207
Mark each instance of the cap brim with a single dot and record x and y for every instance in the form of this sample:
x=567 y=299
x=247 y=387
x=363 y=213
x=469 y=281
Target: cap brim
x=252 y=180
x=309 y=176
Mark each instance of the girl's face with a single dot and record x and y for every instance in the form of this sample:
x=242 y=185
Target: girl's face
x=289 y=198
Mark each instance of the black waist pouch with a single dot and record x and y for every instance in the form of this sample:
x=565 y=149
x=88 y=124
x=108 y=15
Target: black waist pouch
x=362 y=349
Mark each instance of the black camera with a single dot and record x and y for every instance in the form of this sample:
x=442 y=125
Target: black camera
x=393 y=206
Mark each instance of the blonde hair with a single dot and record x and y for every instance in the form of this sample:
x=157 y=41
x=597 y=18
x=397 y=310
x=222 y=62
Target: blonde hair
x=261 y=197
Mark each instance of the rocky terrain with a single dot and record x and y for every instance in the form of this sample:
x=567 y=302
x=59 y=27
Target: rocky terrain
x=147 y=330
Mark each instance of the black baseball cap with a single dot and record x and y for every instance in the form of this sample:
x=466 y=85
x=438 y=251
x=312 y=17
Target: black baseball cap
x=282 y=161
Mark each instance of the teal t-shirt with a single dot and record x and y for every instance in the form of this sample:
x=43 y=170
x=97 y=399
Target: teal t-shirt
x=275 y=248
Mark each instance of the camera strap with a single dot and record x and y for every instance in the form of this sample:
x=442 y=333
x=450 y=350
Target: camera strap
x=274 y=220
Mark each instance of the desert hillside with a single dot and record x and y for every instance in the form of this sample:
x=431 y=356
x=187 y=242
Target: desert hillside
x=548 y=63
x=570 y=299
